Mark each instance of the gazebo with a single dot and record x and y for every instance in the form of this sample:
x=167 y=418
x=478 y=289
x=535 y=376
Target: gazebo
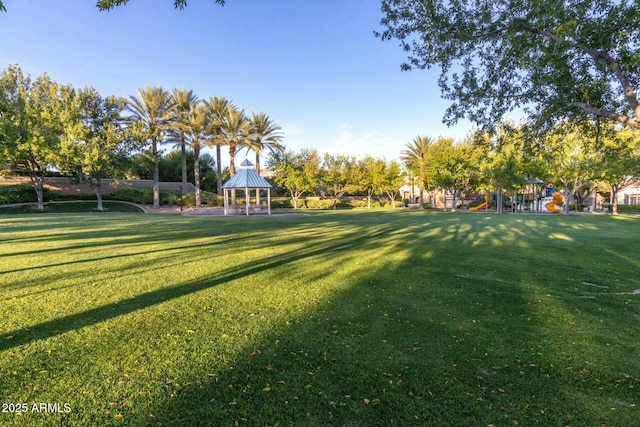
x=247 y=179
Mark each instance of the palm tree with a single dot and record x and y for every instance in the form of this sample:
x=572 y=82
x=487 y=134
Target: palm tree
x=264 y=133
x=183 y=100
x=198 y=122
x=218 y=107
x=415 y=156
x=152 y=110
x=235 y=130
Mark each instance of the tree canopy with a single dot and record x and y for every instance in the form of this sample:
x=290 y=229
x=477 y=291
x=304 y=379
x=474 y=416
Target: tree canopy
x=110 y=4
x=550 y=58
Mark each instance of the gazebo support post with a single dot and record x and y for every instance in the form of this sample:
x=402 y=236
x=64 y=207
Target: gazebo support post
x=248 y=198
x=268 y=201
x=226 y=200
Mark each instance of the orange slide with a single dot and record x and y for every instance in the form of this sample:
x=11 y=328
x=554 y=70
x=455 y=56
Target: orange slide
x=480 y=206
x=551 y=206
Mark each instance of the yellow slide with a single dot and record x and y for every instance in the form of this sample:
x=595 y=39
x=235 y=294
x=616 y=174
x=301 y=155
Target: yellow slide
x=551 y=206
x=480 y=206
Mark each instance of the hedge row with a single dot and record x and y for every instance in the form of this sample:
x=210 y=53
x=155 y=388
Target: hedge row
x=20 y=193
x=328 y=204
x=629 y=209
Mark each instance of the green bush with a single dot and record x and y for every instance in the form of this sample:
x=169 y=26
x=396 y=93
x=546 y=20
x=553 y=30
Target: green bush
x=206 y=198
x=59 y=197
x=318 y=204
x=20 y=193
x=144 y=195
x=285 y=203
x=360 y=203
x=629 y=209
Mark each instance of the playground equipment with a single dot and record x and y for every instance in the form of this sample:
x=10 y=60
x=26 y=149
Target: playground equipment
x=480 y=206
x=487 y=203
x=550 y=205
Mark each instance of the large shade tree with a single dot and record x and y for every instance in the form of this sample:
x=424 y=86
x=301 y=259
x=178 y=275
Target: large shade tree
x=94 y=145
x=30 y=123
x=110 y=4
x=298 y=173
x=569 y=154
x=552 y=58
x=619 y=165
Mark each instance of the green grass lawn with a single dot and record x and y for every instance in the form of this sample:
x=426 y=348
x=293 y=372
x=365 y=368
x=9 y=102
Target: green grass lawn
x=70 y=207
x=336 y=318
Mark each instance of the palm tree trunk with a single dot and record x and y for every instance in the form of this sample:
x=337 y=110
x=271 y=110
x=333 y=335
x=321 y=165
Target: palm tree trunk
x=156 y=176
x=183 y=149
x=218 y=170
x=258 y=170
x=232 y=170
x=196 y=175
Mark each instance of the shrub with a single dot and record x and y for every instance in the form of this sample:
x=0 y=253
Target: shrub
x=629 y=209
x=360 y=203
x=59 y=197
x=206 y=198
x=21 y=193
x=144 y=195
x=285 y=203
x=318 y=204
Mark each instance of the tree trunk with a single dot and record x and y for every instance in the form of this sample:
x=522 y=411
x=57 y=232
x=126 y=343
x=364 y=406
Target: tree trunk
x=567 y=198
x=196 y=175
x=614 y=199
x=295 y=195
x=156 y=176
x=98 y=189
x=232 y=170
x=453 y=206
x=183 y=149
x=37 y=180
x=218 y=170
x=40 y=194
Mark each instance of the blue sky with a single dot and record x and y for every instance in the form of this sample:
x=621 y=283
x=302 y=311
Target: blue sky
x=313 y=65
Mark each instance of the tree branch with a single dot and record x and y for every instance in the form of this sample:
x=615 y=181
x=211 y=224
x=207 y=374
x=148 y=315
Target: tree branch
x=601 y=57
x=608 y=114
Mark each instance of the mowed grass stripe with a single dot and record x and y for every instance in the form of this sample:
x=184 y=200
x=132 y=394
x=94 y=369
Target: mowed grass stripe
x=336 y=318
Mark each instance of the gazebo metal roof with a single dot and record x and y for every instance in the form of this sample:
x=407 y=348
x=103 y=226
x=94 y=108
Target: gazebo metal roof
x=246 y=177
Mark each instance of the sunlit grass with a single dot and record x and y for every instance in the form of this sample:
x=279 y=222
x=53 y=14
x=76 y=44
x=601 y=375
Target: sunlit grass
x=70 y=207
x=348 y=318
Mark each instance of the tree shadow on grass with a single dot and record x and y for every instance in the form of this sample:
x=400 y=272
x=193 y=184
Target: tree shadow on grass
x=414 y=344
x=99 y=314
x=427 y=331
